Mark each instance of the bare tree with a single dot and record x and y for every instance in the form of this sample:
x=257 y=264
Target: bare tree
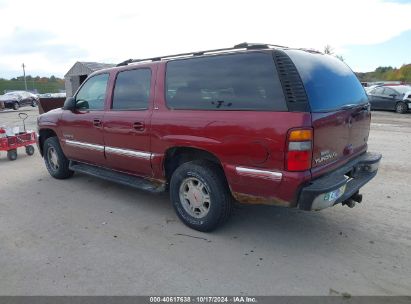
x=328 y=50
x=340 y=57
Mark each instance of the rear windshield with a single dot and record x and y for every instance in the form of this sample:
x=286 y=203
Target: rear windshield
x=330 y=84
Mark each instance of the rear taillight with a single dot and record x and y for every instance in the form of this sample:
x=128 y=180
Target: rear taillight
x=299 y=149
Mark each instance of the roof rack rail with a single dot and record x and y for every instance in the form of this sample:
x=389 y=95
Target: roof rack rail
x=314 y=51
x=244 y=45
x=252 y=46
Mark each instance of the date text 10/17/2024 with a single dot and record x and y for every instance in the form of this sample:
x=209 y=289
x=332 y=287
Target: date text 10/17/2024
x=203 y=299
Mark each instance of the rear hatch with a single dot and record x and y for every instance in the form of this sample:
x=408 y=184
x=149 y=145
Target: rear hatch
x=339 y=106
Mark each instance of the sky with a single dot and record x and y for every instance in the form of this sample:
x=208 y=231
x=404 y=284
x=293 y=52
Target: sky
x=49 y=36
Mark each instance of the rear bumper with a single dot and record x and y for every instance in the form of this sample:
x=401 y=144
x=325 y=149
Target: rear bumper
x=340 y=185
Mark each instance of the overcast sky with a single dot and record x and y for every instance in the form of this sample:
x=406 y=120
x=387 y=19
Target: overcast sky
x=49 y=36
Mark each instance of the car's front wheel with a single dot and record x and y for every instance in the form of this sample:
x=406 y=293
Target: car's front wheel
x=200 y=195
x=56 y=162
x=401 y=107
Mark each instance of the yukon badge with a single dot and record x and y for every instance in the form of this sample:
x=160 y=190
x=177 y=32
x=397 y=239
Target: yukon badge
x=325 y=156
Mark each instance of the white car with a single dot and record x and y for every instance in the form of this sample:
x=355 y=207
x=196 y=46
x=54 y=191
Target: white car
x=16 y=99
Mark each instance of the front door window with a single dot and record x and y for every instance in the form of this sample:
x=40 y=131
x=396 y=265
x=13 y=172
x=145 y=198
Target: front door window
x=93 y=93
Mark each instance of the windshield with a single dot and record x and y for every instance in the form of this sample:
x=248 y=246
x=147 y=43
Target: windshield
x=402 y=89
x=330 y=84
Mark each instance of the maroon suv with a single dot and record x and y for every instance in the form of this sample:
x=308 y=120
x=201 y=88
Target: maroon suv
x=256 y=124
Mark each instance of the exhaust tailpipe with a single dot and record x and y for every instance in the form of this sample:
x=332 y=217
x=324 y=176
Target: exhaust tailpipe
x=356 y=198
x=350 y=203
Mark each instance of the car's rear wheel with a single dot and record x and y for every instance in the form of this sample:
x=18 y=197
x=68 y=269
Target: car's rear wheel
x=56 y=162
x=200 y=195
x=401 y=107
x=34 y=103
x=16 y=106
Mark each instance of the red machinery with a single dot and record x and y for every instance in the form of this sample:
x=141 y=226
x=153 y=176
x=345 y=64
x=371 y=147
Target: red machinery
x=22 y=139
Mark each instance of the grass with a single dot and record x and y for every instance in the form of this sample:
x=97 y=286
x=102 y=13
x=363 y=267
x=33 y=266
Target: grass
x=43 y=85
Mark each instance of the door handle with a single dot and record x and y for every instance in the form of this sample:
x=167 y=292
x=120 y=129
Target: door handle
x=138 y=126
x=97 y=123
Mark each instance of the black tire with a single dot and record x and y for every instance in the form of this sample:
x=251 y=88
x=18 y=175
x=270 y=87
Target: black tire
x=60 y=170
x=401 y=107
x=29 y=150
x=34 y=103
x=16 y=106
x=12 y=154
x=215 y=186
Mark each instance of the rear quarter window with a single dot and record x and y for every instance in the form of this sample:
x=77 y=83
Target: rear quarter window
x=224 y=82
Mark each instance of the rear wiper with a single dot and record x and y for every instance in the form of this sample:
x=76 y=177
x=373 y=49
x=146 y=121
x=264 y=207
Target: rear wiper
x=350 y=106
x=220 y=103
x=347 y=106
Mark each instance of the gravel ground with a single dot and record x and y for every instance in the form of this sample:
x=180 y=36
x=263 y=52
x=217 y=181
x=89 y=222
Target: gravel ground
x=85 y=236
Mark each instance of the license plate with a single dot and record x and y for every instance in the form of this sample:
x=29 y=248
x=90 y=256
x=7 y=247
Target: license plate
x=333 y=195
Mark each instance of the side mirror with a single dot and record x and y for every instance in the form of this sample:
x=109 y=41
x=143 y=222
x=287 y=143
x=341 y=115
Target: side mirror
x=82 y=104
x=70 y=104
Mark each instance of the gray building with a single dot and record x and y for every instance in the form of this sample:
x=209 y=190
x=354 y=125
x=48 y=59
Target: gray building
x=79 y=72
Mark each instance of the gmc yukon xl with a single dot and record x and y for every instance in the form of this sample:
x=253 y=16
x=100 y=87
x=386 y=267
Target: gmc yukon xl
x=256 y=123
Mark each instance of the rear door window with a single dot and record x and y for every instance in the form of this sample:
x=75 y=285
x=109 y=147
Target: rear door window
x=224 y=82
x=132 y=90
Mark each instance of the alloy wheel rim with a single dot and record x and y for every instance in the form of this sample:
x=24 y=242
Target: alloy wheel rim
x=195 y=197
x=53 y=158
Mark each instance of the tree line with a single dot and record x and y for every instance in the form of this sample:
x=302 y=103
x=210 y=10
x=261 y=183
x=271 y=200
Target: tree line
x=388 y=73
x=37 y=84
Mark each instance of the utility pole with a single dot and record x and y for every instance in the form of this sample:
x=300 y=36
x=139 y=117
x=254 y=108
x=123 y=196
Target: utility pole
x=24 y=75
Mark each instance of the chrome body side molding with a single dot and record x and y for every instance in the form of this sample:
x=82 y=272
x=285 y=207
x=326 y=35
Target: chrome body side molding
x=84 y=145
x=258 y=173
x=111 y=150
x=127 y=152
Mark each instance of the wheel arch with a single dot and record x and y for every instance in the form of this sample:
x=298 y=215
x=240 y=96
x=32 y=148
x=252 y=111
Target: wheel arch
x=176 y=156
x=401 y=102
x=43 y=135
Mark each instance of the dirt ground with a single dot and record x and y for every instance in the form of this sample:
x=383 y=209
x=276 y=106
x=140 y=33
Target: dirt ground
x=85 y=236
